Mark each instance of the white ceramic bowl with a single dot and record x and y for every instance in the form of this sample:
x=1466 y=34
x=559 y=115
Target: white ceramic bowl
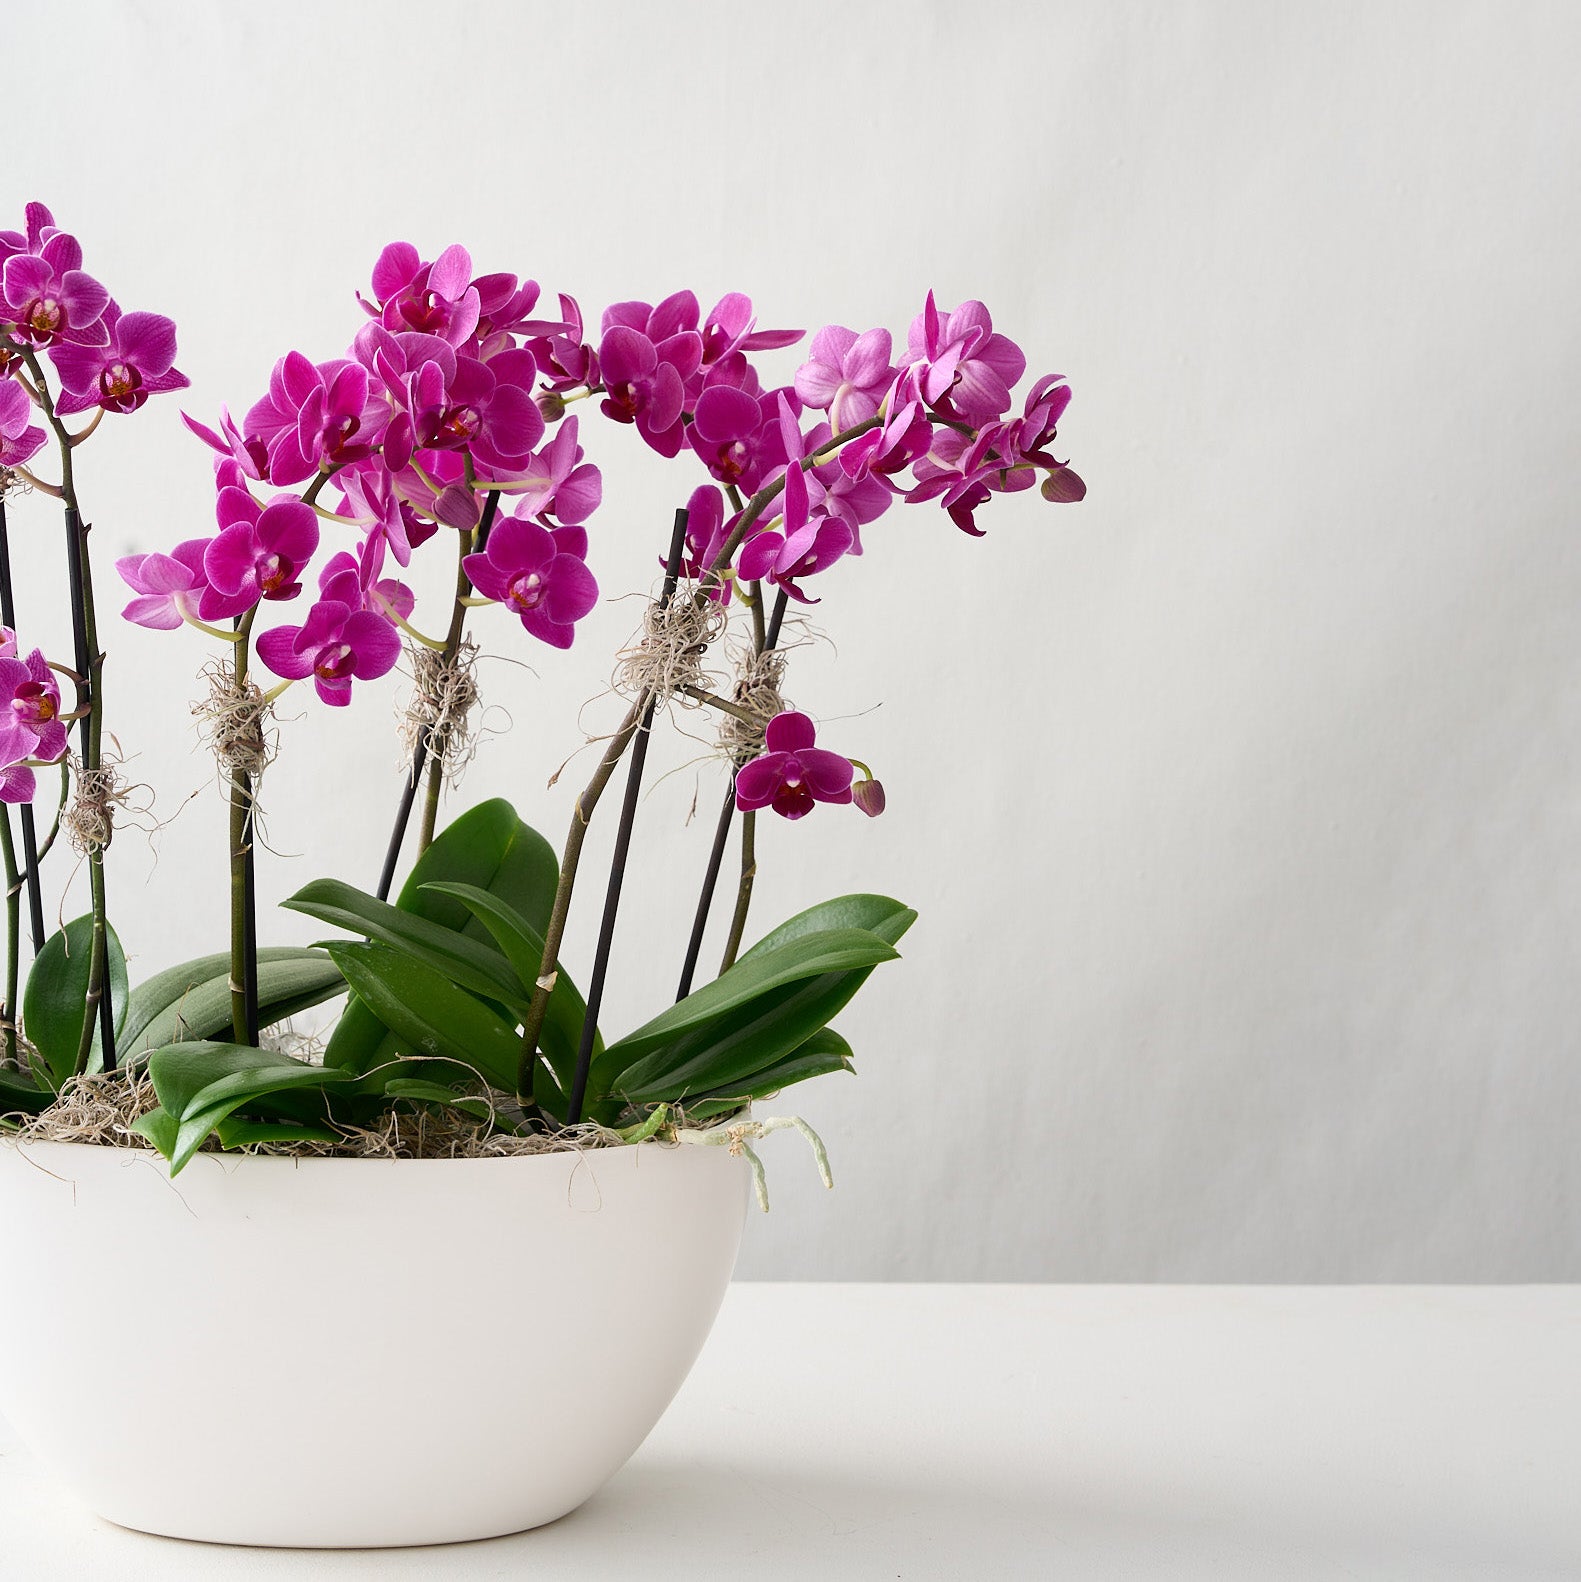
x=353 y=1353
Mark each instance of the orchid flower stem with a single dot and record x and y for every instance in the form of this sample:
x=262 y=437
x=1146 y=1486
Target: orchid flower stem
x=617 y=867
x=218 y=632
x=52 y=489
x=13 y=944
x=86 y=431
x=421 y=752
x=749 y=872
x=433 y=643
x=763 y=639
x=30 y=854
x=724 y=705
x=90 y=663
x=244 y=885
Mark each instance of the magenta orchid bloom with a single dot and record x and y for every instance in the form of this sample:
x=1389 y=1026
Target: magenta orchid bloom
x=138 y=361
x=960 y=364
x=433 y=299
x=647 y=356
x=175 y=588
x=807 y=541
x=335 y=645
x=559 y=483
x=486 y=409
x=904 y=434
x=20 y=438
x=791 y=774
x=565 y=358
x=372 y=501
x=17 y=781
x=261 y=550
x=248 y=452
x=45 y=297
x=538 y=573
x=32 y=697
x=729 y=327
x=354 y=580
x=316 y=416
x=847 y=374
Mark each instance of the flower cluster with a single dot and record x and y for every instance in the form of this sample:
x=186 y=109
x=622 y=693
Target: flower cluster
x=54 y=315
x=454 y=399
x=433 y=408
x=104 y=358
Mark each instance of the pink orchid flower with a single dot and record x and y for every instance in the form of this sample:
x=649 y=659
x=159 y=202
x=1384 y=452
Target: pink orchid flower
x=539 y=574
x=138 y=361
x=335 y=645
x=792 y=774
x=261 y=550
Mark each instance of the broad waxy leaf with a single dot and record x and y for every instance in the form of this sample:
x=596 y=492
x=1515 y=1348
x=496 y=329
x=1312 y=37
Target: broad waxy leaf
x=197 y=1002
x=470 y=963
x=824 y=1052
x=748 y=1040
x=878 y=914
x=19 y=1094
x=55 y=999
x=428 y=1014
x=488 y=847
x=236 y=1132
x=200 y=1084
x=835 y=951
x=561 y=1034
x=420 y=1092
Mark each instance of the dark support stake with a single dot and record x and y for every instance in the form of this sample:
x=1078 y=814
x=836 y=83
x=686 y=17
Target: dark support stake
x=716 y=856
x=250 y=932
x=705 y=901
x=35 y=898
x=88 y=666
x=617 y=869
x=403 y=816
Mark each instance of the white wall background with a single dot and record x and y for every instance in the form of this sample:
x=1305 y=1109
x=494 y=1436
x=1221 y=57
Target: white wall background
x=1240 y=802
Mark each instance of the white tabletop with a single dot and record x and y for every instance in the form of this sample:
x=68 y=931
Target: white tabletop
x=1006 y=1432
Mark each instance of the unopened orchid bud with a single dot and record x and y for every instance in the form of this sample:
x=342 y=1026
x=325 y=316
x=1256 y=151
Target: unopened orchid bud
x=1063 y=487
x=869 y=796
x=457 y=506
x=551 y=405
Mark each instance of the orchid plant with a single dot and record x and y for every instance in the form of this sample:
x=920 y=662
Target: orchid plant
x=454 y=418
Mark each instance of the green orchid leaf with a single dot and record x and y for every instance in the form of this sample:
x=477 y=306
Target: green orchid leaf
x=192 y=1002
x=21 y=1095
x=488 y=847
x=428 y=1014
x=811 y=956
x=418 y=1091
x=157 y=995
x=470 y=963
x=55 y=999
x=824 y=1052
x=561 y=1034
x=734 y=1049
x=491 y=848
x=236 y=1132
x=878 y=914
x=160 y=1127
x=201 y=1084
